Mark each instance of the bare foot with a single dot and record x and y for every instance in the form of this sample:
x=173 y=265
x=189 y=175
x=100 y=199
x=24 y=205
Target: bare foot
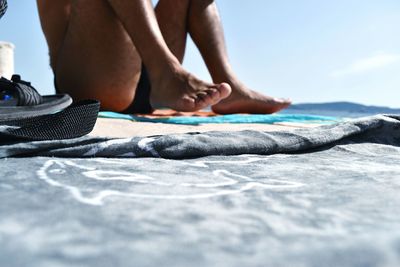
x=244 y=100
x=181 y=91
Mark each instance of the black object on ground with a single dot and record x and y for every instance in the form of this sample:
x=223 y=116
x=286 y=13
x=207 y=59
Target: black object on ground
x=29 y=116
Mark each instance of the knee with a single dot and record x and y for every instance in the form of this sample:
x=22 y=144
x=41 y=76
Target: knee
x=200 y=4
x=115 y=100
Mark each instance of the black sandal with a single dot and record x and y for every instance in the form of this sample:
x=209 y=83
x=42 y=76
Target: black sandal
x=25 y=114
x=19 y=99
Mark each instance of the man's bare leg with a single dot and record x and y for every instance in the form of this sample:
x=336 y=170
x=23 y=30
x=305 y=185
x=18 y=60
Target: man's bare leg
x=206 y=30
x=172 y=18
x=172 y=86
x=92 y=55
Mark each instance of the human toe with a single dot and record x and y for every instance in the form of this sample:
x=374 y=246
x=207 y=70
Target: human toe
x=224 y=90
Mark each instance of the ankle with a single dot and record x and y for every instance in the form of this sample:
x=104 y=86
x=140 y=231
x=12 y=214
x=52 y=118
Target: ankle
x=224 y=74
x=164 y=68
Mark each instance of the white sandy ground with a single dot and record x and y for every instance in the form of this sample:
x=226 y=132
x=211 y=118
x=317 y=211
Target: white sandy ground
x=125 y=128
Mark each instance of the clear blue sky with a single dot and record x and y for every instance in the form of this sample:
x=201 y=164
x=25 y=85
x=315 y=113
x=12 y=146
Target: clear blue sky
x=308 y=50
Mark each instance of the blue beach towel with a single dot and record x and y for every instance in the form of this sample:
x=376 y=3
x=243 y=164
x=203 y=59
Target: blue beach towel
x=233 y=118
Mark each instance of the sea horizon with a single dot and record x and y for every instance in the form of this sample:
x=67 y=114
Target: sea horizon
x=339 y=109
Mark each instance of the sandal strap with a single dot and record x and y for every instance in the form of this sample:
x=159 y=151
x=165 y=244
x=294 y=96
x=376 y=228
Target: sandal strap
x=26 y=93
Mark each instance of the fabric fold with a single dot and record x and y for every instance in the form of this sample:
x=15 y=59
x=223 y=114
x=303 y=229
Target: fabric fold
x=382 y=129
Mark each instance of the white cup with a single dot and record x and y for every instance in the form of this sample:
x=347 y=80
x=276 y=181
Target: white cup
x=6 y=59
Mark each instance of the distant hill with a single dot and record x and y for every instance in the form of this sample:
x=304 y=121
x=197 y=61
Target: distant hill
x=340 y=109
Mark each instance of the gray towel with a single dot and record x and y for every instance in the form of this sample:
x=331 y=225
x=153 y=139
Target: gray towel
x=375 y=129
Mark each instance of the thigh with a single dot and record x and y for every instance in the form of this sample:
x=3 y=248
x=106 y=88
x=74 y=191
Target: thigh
x=97 y=58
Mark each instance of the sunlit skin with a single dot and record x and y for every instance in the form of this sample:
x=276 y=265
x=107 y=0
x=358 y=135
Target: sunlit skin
x=97 y=48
